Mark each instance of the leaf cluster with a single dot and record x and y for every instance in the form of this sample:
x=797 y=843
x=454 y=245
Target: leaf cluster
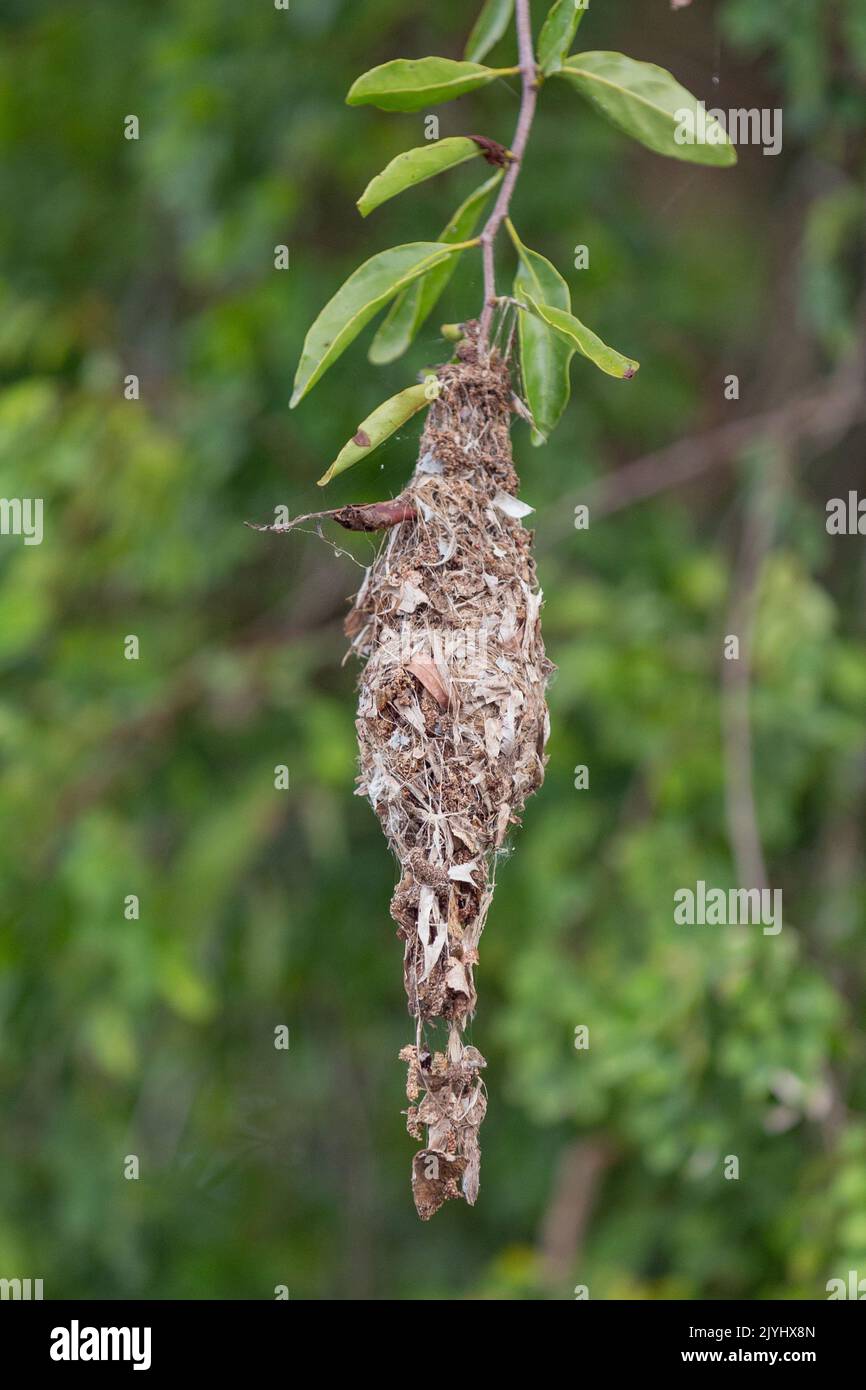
x=643 y=100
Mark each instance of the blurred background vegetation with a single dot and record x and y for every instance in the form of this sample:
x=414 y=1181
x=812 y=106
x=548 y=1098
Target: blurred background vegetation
x=261 y=907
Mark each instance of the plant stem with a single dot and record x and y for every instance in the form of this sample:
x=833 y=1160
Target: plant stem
x=529 y=96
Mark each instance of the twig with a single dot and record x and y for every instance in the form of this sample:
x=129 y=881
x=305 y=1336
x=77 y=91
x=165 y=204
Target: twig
x=369 y=516
x=528 y=99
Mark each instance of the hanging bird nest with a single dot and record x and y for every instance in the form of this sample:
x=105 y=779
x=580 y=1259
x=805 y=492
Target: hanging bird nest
x=452 y=724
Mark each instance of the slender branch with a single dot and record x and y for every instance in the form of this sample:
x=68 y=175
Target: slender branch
x=813 y=414
x=822 y=412
x=368 y=516
x=582 y=1167
x=740 y=802
x=528 y=99
x=825 y=412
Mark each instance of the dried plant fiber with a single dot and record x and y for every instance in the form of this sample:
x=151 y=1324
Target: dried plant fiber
x=452 y=724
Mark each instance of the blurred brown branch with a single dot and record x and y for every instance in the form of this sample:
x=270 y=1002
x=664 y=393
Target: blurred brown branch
x=826 y=411
x=756 y=544
x=582 y=1166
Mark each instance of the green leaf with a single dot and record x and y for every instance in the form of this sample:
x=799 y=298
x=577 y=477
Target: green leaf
x=650 y=105
x=409 y=84
x=572 y=331
x=414 y=166
x=557 y=32
x=373 y=431
x=488 y=29
x=412 y=308
x=544 y=357
x=355 y=303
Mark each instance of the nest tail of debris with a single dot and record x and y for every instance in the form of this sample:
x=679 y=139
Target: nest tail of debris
x=452 y=724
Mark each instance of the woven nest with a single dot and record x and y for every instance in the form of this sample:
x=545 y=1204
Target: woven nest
x=452 y=724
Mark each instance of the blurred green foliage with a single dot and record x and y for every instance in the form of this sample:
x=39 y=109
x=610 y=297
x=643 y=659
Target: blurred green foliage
x=261 y=907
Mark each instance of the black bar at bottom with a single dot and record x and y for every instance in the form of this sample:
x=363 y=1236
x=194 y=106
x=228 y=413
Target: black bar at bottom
x=152 y=1337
